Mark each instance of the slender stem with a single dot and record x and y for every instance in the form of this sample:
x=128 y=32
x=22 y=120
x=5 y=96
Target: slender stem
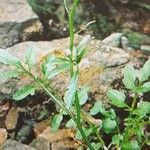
x=78 y=121
x=134 y=101
x=41 y=84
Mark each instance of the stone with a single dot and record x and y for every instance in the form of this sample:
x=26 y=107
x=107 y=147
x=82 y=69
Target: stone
x=99 y=57
x=14 y=145
x=3 y=135
x=145 y=49
x=51 y=137
x=113 y=40
x=11 y=119
x=126 y=44
x=18 y=22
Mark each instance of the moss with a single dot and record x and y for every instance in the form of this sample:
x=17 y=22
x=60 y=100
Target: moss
x=134 y=38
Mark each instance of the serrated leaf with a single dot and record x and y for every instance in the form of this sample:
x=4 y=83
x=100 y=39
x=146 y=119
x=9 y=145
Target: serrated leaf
x=117 y=98
x=24 y=92
x=55 y=122
x=9 y=74
x=142 y=109
x=31 y=57
x=70 y=93
x=145 y=71
x=87 y=131
x=130 y=75
x=98 y=107
x=144 y=88
x=83 y=95
x=109 y=125
x=71 y=123
x=8 y=59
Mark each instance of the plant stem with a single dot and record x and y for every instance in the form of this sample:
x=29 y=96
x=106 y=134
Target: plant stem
x=134 y=101
x=78 y=121
x=41 y=84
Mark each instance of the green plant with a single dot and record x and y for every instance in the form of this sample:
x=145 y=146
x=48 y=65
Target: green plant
x=89 y=129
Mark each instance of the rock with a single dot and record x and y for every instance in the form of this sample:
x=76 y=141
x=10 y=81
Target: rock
x=3 y=135
x=11 y=118
x=51 y=137
x=25 y=134
x=99 y=57
x=131 y=25
x=14 y=145
x=113 y=40
x=126 y=44
x=18 y=22
x=65 y=145
x=145 y=48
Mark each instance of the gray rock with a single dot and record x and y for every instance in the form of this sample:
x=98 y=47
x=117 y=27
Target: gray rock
x=14 y=145
x=101 y=56
x=145 y=48
x=126 y=44
x=113 y=40
x=17 y=22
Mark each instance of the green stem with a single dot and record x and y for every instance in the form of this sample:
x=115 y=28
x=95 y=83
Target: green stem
x=134 y=101
x=78 y=121
x=41 y=84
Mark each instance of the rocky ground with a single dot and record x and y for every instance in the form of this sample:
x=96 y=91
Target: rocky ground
x=25 y=125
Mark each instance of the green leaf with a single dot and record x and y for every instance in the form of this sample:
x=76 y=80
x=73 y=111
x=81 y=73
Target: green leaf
x=117 y=98
x=10 y=74
x=58 y=70
x=8 y=59
x=70 y=124
x=87 y=131
x=130 y=75
x=70 y=93
x=145 y=71
x=109 y=125
x=96 y=146
x=55 y=123
x=144 y=88
x=116 y=139
x=98 y=107
x=82 y=45
x=83 y=95
x=142 y=109
x=24 y=92
x=30 y=57
x=131 y=145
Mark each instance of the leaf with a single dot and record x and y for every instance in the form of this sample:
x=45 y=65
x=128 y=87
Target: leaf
x=24 y=92
x=131 y=145
x=145 y=71
x=30 y=57
x=130 y=75
x=81 y=48
x=109 y=125
x=70 y=123
x=144 y=88
x=55 y=123
x=70 y=93
x=82 y=45
x=8 y=59
x=117 y=98
x=96 y=146
x=142 y=109
x=98 y=107
x=58 y=70
x=116 y=139
x=9 y=74
x=87 y=131
x=83 y=95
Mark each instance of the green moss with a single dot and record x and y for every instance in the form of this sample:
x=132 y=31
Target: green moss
x=134 y=38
